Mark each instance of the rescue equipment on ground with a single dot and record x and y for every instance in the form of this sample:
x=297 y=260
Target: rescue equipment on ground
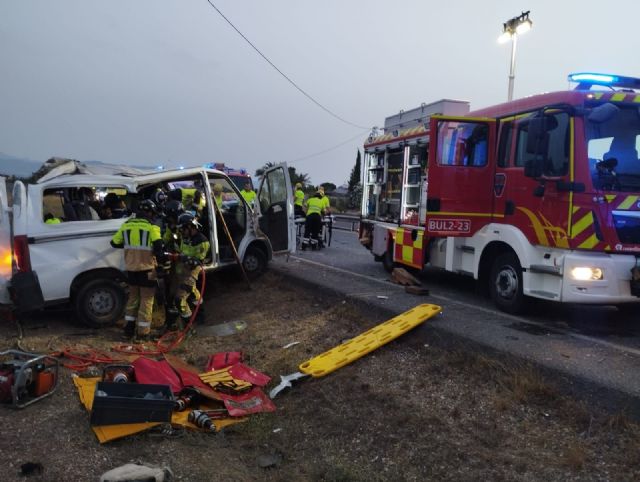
x=26 y=378
x=359 y=346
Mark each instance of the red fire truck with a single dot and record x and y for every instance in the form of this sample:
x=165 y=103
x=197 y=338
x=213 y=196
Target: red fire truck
x=239 y=176
x=538 y=197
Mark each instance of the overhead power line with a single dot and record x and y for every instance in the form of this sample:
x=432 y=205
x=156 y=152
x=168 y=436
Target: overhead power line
x=303 y=92
x=300 y=159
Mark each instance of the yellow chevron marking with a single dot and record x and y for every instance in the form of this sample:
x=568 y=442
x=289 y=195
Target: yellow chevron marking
x=636 y=98
x=610 y=197
x=536 y=225
x=597 y=95
x=582 y=224
x=368 y=341
x=628 y=202
x=590 y=242
x=618 y=97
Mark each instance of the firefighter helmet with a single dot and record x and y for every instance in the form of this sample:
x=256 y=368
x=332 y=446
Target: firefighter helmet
x=147 y=206
x=188 y=219
x=173 y=208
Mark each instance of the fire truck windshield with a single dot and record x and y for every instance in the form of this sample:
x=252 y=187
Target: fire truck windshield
x=613 y=143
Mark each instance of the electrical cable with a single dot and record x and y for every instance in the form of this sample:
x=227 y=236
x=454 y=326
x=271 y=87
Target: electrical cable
x=308 y=96
x=300 y=159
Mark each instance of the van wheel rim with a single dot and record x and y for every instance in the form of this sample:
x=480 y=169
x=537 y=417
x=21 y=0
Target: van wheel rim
x=251 y=263
x=507 y=282
x=101 y=302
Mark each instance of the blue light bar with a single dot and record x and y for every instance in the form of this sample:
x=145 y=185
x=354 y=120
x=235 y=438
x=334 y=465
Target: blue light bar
x=587 y=79
x=593 y=78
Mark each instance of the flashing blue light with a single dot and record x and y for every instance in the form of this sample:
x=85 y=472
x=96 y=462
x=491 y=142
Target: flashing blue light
x=159 y=168
x=180 y=167
x=593 y=78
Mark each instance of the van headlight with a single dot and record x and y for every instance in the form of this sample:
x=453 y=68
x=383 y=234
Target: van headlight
x=586 y=273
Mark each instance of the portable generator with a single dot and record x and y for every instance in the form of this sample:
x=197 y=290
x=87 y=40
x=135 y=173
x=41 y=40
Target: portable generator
x=26 y=378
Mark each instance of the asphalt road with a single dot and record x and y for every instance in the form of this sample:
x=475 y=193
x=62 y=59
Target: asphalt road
x=596 y=344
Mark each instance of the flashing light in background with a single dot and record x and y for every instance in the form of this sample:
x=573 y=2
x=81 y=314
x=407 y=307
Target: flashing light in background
x=5 y=262
x=181 y=167
x=160 y=168
x=593 y=77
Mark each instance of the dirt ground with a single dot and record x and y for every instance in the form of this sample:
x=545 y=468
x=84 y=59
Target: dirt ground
x=408 y=411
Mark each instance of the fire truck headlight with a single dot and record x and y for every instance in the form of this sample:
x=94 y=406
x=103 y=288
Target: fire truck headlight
x=585 y=273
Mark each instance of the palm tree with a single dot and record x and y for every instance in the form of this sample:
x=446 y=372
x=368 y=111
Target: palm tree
x=260 y=171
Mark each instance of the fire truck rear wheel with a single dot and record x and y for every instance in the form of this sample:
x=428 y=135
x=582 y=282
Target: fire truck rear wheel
x=506 y=283
x=100 y=302
x=387 y=259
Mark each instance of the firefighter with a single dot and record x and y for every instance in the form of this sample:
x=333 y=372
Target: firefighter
x=298 y=201
x=217 y=195
x=248 y=193
x=171 y=236
x=143 y=247
x=326 y=205
x=193 y=249
x=313 y=223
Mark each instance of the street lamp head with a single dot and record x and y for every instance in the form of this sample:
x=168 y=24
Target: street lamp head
x=516 y=25
x=524 y=27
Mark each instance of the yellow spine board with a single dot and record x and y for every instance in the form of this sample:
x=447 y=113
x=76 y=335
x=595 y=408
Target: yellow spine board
x=368 y=341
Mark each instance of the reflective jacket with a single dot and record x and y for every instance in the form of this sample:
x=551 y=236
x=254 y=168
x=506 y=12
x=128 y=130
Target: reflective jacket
x=314 y=206
x=248 y=196
x=299 y=195
x=195 y=247
x=141 y=240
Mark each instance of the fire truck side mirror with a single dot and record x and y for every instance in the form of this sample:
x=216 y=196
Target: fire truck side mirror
x=534 y=168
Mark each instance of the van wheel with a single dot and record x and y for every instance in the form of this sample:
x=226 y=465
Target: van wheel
x=254 y=262
x=100 y=302
x=387 y=259
x=506 y=283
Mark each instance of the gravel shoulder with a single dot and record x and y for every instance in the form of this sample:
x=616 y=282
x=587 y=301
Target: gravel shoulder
x=411 y=410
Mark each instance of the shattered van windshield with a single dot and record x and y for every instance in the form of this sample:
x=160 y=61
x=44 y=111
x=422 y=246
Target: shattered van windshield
x=613 y=146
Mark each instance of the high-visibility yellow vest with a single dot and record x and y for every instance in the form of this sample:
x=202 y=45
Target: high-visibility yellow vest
x=314 y=206
x=299 y=195
x=196 y=247
x=136 y=236
x=53 y=221
x=248 y=196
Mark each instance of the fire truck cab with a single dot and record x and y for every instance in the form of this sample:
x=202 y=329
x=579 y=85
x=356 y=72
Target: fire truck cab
x=537 y=197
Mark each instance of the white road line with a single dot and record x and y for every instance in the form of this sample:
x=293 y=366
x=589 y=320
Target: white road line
x=500 y=314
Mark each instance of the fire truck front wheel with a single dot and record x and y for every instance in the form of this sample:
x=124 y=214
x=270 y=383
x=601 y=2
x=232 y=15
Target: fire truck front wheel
x=506 y=283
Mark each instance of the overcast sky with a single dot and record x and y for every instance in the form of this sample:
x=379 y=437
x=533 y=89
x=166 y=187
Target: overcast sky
x=152 y=82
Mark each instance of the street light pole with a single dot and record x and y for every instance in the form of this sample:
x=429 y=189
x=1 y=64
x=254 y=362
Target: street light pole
x=512 y=70
x=510 y=31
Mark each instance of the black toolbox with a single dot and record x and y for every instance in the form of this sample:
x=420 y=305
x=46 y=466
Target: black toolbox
x=116 y=403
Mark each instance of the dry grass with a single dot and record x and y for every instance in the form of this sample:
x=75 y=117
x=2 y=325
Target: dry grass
x=406 y=411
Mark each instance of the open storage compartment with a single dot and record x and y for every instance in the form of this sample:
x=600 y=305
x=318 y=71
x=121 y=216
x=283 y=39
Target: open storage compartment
x=117 y=403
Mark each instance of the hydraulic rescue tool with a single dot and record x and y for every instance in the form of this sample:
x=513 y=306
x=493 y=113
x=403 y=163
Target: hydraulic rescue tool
x=26 y=378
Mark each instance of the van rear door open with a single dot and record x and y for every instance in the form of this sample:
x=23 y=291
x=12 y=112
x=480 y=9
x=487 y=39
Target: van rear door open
x=5 y=243
x=275 y=204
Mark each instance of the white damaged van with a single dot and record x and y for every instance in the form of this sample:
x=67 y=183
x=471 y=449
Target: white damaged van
x=54 y=236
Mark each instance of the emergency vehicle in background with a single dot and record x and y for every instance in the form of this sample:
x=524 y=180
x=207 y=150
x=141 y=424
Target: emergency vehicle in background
x=538 y=197
x=239 y=176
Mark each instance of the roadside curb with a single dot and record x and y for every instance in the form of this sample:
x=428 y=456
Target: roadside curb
x=590 y=390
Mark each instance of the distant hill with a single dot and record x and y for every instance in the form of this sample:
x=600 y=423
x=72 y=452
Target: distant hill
x=17 y=166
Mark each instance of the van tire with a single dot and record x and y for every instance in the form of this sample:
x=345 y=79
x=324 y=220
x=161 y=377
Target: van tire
x=254 y=262
x=100 y=302
x=506 y=283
